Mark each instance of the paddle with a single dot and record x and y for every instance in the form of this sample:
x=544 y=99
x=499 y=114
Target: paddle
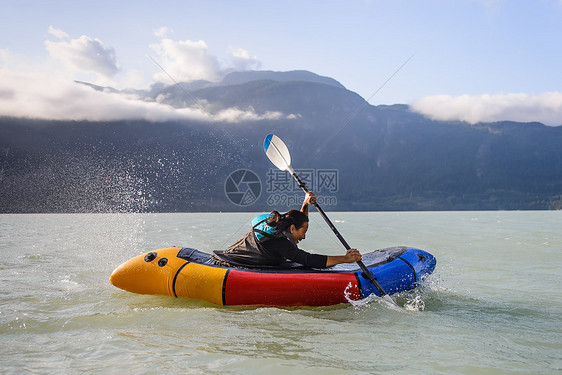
x=279 y=155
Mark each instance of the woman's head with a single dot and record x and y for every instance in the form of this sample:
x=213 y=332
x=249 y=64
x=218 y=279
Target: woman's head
x=295 y=222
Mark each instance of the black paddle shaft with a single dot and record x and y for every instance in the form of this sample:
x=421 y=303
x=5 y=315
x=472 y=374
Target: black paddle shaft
x=365 y=270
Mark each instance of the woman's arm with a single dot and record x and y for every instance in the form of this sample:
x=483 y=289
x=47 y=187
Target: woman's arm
x=283 y=248
x=309 y=199
x=351 y=256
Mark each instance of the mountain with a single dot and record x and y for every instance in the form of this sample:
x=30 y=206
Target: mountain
x=237 y=78
x=354 y=155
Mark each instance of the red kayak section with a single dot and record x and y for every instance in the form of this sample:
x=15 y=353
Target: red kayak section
x=286 y=289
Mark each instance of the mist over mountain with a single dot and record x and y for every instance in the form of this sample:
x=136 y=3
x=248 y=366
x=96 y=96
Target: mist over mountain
x=361 y=157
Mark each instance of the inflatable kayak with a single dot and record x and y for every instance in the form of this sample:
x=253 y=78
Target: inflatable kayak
x=186 y=272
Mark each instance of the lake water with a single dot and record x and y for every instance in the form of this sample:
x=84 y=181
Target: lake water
x=493 y=305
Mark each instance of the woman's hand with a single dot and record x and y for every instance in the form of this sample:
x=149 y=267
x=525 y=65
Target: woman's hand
x=310 y=198
x=353 y=255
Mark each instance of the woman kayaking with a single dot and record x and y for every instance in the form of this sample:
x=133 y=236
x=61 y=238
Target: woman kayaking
x=273 y=240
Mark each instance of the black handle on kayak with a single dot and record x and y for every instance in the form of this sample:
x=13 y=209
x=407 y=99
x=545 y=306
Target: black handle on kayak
x=364 y=268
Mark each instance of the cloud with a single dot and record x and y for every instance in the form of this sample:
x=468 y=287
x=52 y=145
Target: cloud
x=83 y=54
x=46 y=89
x=241 y=59
x=58 y=33
x=237 y=115
x=545 y=108
x=53 y=97
x=187 y=61
x=163 y=31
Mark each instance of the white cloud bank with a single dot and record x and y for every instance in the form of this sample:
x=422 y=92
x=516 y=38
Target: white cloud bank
x=545 y=108
x=32 y=95
x=46 y=90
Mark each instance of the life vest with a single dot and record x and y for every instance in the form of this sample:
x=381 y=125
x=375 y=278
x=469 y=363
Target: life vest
x=262 y=230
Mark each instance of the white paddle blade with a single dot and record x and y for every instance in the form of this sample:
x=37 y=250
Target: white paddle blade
x=277 y=152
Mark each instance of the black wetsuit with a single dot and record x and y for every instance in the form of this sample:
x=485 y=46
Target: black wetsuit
x=274 y=252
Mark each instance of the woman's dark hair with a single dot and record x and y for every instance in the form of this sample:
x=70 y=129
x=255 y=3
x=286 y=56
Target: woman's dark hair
x=282 y=222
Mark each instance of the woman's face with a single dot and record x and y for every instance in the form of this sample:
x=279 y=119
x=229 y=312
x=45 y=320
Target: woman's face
x=299 y=234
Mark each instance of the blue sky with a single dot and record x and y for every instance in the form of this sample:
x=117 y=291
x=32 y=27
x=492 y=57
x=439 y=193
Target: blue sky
x=473 y=60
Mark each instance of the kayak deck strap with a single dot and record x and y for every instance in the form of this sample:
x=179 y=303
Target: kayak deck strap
x=413 y=270
x=176 y=278
x=361 y=295
x=224 y=287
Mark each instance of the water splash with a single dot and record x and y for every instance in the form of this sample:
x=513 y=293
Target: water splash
x=426 y=293
x=416 y=304
x=412 y=300
x=385 y=300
